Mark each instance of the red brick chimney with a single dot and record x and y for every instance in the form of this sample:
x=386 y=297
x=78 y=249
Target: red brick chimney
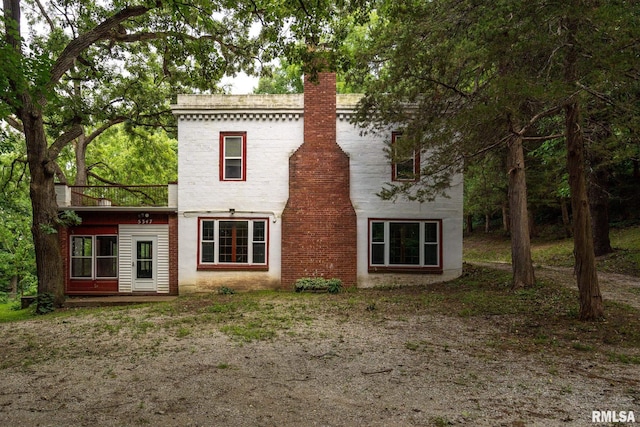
x=319 y=222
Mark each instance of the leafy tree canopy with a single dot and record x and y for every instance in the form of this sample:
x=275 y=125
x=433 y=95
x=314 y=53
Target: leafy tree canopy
x=475 y=73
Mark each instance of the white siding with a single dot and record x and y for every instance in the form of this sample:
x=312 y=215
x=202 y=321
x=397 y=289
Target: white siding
x=126 y=233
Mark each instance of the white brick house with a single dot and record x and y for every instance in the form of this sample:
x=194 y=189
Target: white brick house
x=235 y=180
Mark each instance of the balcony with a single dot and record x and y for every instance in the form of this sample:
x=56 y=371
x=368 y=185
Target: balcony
x=116 y=196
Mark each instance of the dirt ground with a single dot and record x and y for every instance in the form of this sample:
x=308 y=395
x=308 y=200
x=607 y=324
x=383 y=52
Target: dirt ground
x=328 y=369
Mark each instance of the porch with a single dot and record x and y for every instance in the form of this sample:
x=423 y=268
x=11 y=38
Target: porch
x=109 y=197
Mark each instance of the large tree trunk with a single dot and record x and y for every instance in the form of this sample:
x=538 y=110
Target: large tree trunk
x=42 y=169
x=522 y=265
x=591 y=307
x=45 y=210
x=469 y=223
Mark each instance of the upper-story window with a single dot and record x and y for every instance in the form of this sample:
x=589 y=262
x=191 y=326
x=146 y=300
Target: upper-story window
x=233 y=156
x=405 y=166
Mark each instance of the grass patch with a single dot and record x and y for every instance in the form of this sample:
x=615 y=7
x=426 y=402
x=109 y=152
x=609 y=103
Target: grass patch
x=495 y=247
x=10 y=312
x=624 y=358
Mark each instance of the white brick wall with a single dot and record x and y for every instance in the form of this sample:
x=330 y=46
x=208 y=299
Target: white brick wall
x=270 y=141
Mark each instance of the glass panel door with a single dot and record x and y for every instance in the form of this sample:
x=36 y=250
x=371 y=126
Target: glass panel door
x=144 y=259
x=144 y=263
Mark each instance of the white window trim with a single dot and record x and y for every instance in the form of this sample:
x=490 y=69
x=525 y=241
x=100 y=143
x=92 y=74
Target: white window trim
x=94 y=257
x=224 y=157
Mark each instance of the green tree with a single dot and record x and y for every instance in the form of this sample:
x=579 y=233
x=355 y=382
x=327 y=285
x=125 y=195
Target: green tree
x=77 y=68
x=17 y=262
x=285 y=78
x=138 y=156
x=485 y=188
x=195 y=42
x=485 y=76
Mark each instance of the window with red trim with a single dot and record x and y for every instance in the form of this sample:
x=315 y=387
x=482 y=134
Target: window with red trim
x=405 y=244
x=233 y=242
x=405 y=165
x=233 y=156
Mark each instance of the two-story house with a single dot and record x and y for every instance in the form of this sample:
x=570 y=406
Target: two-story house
x=273 y=188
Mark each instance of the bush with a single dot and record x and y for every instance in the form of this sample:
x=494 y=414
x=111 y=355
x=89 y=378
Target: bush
x=333 y=286
x=226 y=291
x=45 y=303
x=15 y=305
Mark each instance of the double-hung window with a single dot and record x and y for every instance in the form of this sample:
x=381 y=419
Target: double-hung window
x=233 y=243
x=405 y=245
x=94 y=257
x=233 y=156
x=405 y=166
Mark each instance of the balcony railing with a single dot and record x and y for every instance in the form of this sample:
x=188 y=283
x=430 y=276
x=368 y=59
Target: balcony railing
x=126 y=195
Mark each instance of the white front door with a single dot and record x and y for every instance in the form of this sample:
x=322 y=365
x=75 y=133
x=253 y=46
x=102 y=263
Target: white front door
x=144 y=263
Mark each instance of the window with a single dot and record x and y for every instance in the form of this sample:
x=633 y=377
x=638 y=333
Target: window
x=233 y=154
x=226 y=243
x=405 y=245
x=94 y=257
x=405 y=166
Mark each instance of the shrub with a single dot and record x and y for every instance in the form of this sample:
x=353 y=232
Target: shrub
x=226 y=291
x=333 y=286
x=45 y=303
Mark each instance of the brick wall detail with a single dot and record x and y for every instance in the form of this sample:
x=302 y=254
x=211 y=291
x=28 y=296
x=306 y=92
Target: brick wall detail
x=319 y=236
x=173 y=254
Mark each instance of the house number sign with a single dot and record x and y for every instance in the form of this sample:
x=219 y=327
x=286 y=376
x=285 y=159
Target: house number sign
x=143 y=218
